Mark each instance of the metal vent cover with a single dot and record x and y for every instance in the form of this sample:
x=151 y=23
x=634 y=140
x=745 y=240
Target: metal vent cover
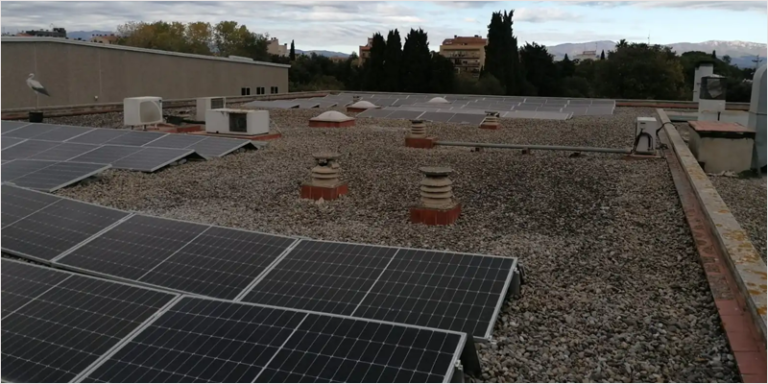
x=217 y=103
x=238 y=122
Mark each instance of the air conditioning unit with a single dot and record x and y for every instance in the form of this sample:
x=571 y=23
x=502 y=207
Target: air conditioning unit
x=206 y=103
x=645 y=134
x=237 y=121
x=145 y=110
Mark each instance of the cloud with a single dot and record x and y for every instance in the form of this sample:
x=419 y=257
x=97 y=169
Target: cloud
x=465 y=4
x=543 y=15
x=717 y=5
x=470 y=20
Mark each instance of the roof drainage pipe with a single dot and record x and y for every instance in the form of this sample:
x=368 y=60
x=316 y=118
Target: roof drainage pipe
x=534 y=147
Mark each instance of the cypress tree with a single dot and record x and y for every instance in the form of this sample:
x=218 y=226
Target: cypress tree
x=416 y=62
x=602 y=55
x=292 y=54
x=392 y=59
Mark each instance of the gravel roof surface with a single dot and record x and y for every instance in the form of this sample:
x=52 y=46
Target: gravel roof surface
x=614 y=291
x=746 y=199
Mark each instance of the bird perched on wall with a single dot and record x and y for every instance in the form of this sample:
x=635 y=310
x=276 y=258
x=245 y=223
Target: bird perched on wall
x=36 y=86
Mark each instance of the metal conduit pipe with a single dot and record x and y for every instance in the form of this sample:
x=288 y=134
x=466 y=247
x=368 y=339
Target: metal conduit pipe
x=534 y=147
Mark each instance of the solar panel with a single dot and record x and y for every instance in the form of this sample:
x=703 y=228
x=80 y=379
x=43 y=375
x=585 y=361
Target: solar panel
x=527 y=107
x=8 y=126
x=548 y=108
x=218 y=147
x=442 y=117
x=18 y=203
x=59 y=332
x=407 y=115
x=135 y=138
x=63 y=151
x=59 y=175
x=376 y=113
x=322 y=276
x=178 y=141
x=467 y=118
x=10 y=141
x=55 y=228
x=200 y=340
x=151 y=159
x=459 y=292
x=63 y=133
x=22 y=284
x=29 y=131
x=107 y=154
x=98 y=136
x=220 y=262
x=580 y=102
x=26 y=149
x=18 y=168
x=134 y=247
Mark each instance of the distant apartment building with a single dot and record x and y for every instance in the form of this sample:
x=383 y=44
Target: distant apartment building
x=275 y=48
x=364 y=52
x=466 y=52
x=104 y=39
x=586 y=55
x=56 y=32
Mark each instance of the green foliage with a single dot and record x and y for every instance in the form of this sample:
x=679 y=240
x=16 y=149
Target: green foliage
x=441 y=74
x=567 y=67
x=602 y=55
x=416 y=62
x=392 y=58
x=375 y=76
x=640 y=71
x=501 y=53
x=736 y=89
x=292 y=53
x=486 y=85
x=540 y=70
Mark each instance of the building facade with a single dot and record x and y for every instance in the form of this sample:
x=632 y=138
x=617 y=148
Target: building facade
x=274 y=48
x=586 y=55
x=364 y=52
x=466 y=53
x=104 y=39
x=82 y=73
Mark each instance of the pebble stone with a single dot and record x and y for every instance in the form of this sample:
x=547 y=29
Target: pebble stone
x=614 y=290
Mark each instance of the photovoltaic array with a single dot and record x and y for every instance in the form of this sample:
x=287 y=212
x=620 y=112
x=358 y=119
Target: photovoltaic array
x=64 y=327
x=453 y=291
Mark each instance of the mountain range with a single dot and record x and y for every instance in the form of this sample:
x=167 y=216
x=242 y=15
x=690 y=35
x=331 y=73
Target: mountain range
x=742 y=53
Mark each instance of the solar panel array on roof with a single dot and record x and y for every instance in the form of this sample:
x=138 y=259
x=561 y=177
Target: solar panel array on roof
x=63 y=327
x=48 y=175
x=57 y=324
x=454 y=291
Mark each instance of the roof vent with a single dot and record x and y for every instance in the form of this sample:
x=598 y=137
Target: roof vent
x=331 y=119
x=438 y=100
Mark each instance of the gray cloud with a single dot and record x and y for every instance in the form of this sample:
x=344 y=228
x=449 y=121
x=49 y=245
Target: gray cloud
x=465 y=4
x=721 y=5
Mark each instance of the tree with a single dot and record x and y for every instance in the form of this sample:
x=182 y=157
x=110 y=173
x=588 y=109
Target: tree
x=441 y=74
x=567 y=67
x=374 y=78
x=199 y=37
x=292 y=53
x=392 y=59
x=494 y=49
x=416 y=62
x=512 y=76
x=640 y=71
x=230 y=38
x=602 y=55
x=714 y=55
x=540 y=69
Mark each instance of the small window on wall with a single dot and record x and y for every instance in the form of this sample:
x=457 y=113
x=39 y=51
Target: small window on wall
x=273 y=90
x=245 y=91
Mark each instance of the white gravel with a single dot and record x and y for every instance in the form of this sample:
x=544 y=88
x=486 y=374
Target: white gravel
x=614 y=292
x=746 y=199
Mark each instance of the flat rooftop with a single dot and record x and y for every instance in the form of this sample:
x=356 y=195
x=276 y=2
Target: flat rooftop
x=614 y=292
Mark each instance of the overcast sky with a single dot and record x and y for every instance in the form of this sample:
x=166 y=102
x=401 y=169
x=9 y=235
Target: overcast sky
x=342 y=26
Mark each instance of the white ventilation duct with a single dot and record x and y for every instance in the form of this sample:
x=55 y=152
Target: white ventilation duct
x=702 y=70
x=757 y=117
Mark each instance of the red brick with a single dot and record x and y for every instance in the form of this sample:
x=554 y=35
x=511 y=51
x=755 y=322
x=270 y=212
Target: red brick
x=309 y=191
x=728 y=307
x=754 y=378
x=735 y=323
x=750 y=363
x=742 y=341
x=428 y=216
x=420 y=142
x=490 y=126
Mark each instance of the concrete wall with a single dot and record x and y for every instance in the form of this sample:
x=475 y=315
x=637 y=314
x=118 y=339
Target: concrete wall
x=75 y=73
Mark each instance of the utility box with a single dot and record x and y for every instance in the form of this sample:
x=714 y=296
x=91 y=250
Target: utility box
x=712 y=98
x=204 y=104
x=645 y=134
x=138 y=111
x=237 y=121
x=721 y=147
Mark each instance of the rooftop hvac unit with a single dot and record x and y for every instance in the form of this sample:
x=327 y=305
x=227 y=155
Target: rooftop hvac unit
x=204 y=104
x=645 y=134
x=145 y=110
x=237 y=121
x=711 y=97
